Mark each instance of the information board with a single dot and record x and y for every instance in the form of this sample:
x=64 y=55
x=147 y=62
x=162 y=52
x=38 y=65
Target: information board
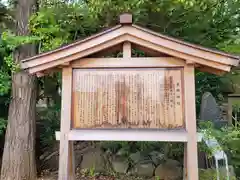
x=127 y=98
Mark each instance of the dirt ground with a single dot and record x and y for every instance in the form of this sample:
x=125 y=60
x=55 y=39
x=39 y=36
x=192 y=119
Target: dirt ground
x=96 y=178
x=53 y=176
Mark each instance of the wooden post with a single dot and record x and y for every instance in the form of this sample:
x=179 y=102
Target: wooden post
x=66 y=167
x=191 y=123
x=230 y=109
x=71 y=161
x=127 y=50
x=185 y=172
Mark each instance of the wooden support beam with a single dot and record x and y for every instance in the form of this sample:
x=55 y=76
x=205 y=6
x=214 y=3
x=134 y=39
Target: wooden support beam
x=40 y=74
x=211 y=70
x=191 y=123
x=66 y=168
x=127 y=50
x=77 y=55
x=64 y=64
x=178 y=54
x=71 y=160
x=190 y=62
x=47 y=72
x=165 y=62
x=127 y=135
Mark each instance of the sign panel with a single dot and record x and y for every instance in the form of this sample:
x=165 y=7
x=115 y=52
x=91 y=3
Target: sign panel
x=127 y=98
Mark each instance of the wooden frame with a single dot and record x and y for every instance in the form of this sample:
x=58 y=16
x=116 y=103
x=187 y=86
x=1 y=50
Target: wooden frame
x=191 y=151
x=128 y=62
x=66 y=162
x=178 y=54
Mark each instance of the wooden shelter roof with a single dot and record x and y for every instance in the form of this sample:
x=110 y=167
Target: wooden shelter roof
x=202 y=57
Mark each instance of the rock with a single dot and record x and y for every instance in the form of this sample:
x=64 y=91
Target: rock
x=138 y=157
x=210 y=110
x=170 y=170
x=141 y=169
x=94 y=158
x=172 y=163
x=122 y=152
x=156 y=157
x=135 y=157
x=120 y=165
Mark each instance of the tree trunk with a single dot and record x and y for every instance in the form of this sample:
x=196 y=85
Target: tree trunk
x=19 y=151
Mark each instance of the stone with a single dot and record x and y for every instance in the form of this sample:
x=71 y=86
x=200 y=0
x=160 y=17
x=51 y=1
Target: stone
x=156 y=157
x=172 y=162
x=170 y=170
x=135 y=157
x=120 y=165
x=94 y=159
x=122 y=152
x=140 y=157
x=210 y=111
x=143 y=169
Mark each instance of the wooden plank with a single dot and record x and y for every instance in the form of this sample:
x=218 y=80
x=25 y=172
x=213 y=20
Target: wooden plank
x=179 y=54
x=211 y=70
x=128 y=62
x=126 y=135
x=127 y=50
x=71 y=160
x=65 y=52
x=135 y=92
x=180 y=47
x=40 y=74
x=79 y=54
x=64 y=64
x=191 y=122
x=65 y=171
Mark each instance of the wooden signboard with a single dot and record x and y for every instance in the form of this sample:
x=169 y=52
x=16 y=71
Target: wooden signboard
x=128 y=98
x=110 y=99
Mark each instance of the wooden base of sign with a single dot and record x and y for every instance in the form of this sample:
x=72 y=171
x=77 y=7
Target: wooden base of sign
x=119 y=135
x=126 y=135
